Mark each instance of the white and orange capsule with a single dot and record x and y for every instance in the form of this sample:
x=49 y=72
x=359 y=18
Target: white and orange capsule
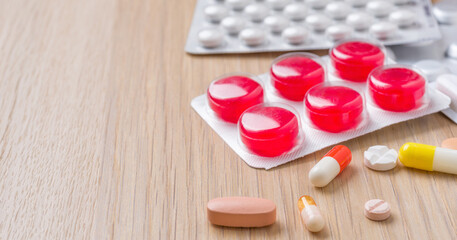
x=310 y=214
x=332 y=164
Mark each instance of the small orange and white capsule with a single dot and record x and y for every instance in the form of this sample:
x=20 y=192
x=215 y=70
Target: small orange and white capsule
x=332 y=164
x=310 y=214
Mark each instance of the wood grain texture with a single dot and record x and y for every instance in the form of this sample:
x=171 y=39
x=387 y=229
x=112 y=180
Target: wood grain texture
x=98 y=140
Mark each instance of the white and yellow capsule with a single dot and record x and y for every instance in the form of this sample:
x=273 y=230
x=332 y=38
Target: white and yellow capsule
x=429 y=158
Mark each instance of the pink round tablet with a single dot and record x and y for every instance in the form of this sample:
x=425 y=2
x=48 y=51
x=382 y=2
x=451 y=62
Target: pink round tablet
x=377 y=210
x=229 y=95
x=293 y=74
x=450 y=143
x=269 y=130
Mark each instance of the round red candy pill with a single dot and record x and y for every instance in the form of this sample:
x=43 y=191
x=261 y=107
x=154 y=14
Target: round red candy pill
x=269 y=130
x=293 y=74
x=229 y=96
x=396 y=88
x=353 y=60
x=334 y=108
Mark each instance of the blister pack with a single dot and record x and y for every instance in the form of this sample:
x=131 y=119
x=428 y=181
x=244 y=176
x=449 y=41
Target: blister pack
x=306 y=103
x=246 y=26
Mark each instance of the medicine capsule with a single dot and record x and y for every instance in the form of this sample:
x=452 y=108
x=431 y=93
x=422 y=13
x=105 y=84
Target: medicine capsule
x=429 y=158
x=310 y=214
x=332 y=164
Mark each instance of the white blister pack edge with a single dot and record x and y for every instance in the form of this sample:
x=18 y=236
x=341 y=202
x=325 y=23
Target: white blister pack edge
x=314 y=139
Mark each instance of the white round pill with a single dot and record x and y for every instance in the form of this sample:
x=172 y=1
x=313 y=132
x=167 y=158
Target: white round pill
x=380 y=158
x=277 y=4
x=256 y=11
x=383 y=30
x=359 y=20
x=276 y=23
x=237 y=4
x=356 y=3
x=215 y=13
x=210 y=38
x=379 y=8
x=318 y=22
x=316 y=4
x=295 y=34
x=445 y=12
x=338 y=10
x=452 y=50
x=431 y=68
x=296 y=11
x=233 y=25
x=338 y=32
x=253 y=36
x=403 y=18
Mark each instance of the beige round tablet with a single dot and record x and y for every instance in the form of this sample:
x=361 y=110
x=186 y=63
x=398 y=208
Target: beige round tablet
x=450 y=143
x=377 y=210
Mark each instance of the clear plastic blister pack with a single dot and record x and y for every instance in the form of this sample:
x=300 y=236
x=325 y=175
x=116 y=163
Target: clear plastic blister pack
x=246 y=26
x=304 y=107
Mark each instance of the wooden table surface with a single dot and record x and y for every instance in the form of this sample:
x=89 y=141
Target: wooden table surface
x=98 y=140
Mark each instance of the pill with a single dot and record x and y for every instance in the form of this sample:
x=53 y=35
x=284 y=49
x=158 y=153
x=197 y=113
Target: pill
x=431 y=68
x=452 y=50
x=447 y=84
x=269 y=130
x=317 y=4
x=334 y=108
x=215 y=13
x=359 y=20
x=400 y=2
x=256 y=11
x=377 y=210
x=233 y=25
x=445 y=12
x=296 y=11
x=380 y=158
x=396 y=88
x=429 y=158
x=210 y=38
x=353 y=60
x=237 y=4
x=310 y=214
x=403 y=18
x=379 y=8
x=241 y=212
x=357 y=3
x=295 y=34
x=383 y=30
x=253 y=36
x=450 y=143
x=276 y=23
x=338 y=32
x=318 y=22
x=228 y=96
x=338 y=10
x=277 y=4
x=332 y=164
x=293 y=74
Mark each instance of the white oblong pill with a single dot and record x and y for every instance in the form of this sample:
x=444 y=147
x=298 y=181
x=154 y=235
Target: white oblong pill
x=403 y=18
x=359 y=20
x=256 y=11
x=431 y=68
x=379 y=8
x=380 y=158
x=452 y=50
x=338 y=10
x=357 y=3
x=253 y=36
x=447 y=84
x=338 y=32
x=233 y=25
x=317 y=4
x=318 y=22
x=383 y=30
x=295 y=11
x=237 y=4
x=295 y=34
x=276 y=23
x=211 y=38
x=445 y=12
x=277 y=4
x=216 y=12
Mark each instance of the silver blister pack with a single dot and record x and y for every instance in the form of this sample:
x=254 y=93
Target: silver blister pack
x=247 y=26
